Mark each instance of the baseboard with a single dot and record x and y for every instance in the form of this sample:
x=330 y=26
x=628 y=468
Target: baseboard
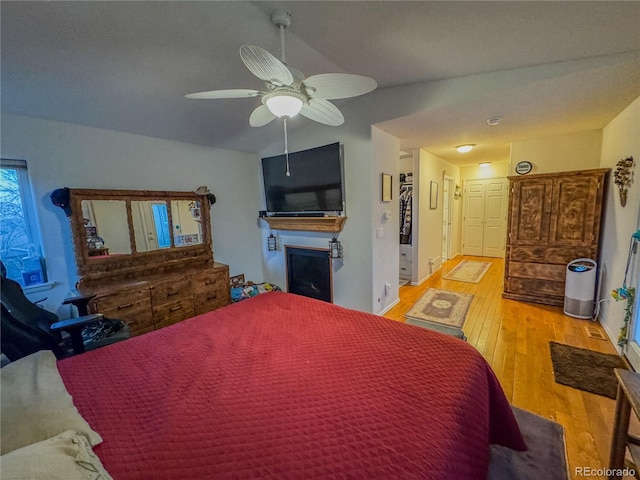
x=389 y=307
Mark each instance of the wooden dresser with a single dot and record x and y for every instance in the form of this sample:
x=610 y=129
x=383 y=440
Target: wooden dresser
x=554 y=218
x=158 y=301
x=159 y=267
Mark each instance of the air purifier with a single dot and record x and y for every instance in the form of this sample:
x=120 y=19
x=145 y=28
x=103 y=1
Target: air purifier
x=579 y=290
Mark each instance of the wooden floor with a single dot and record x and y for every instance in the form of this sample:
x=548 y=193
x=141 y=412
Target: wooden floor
x=514 y=338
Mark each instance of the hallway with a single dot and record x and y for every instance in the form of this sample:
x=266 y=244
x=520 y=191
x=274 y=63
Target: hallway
x=514 y=338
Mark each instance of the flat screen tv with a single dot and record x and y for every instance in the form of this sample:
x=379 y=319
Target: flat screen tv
x=313 y=186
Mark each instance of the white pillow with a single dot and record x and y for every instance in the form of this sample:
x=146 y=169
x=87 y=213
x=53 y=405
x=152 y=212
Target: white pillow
x=35 y=404
x=67 y=456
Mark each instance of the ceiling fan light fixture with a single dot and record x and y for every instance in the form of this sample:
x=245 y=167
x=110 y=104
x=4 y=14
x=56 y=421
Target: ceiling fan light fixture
x=465 y=148
x=284 y=104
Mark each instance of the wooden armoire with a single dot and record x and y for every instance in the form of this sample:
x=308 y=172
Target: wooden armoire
x=554 y=218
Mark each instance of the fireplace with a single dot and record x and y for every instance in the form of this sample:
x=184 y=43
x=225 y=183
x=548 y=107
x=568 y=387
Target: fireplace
x=309 y=272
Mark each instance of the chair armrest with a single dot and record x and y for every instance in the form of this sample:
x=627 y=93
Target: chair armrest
x=74 y=323
x=80 y=302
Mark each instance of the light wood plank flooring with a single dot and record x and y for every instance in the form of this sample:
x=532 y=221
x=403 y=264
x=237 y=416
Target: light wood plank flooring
x=514 y=338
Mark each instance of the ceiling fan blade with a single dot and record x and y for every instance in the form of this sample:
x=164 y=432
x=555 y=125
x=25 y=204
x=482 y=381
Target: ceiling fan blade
x=265 y=66
x=332 y=86
x=322 y=111
x=261 y=116
x=232 y=93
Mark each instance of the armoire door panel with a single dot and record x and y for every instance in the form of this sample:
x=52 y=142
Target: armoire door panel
x=573 y=213
x=530 y=211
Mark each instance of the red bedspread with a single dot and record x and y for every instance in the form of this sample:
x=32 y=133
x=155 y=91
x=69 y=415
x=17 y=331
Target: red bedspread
x=285 y=387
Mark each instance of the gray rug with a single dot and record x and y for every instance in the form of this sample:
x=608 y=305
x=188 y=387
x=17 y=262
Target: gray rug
x=544 y=458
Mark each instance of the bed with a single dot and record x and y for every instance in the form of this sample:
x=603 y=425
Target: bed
x=287 y=387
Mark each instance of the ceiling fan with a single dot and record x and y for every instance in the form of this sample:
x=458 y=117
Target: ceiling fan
x=287 y=92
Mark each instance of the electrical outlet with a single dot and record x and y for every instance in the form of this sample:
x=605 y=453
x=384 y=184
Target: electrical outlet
x=379 y=232
x=387 y=289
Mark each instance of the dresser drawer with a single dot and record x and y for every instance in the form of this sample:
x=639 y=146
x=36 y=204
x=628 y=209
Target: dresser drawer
x=539 y=271
x=211 y=280
x=173 y=312
x=204 y=302
x=534 y=286
x=170 y=290
x=133 y=308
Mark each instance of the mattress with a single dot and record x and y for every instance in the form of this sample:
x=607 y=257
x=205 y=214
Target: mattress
x=287 y=387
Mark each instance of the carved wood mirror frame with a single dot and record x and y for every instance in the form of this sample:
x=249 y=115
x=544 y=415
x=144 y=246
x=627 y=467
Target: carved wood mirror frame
x=122 y=267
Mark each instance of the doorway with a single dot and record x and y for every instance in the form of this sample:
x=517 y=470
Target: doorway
x=484 y=221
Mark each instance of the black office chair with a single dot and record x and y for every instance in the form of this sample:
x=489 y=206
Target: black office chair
x=27 y=328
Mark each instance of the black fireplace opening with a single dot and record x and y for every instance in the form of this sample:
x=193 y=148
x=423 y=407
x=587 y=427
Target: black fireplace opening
x=309 y=272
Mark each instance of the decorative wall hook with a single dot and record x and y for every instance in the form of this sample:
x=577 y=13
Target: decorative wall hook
x=623 y=177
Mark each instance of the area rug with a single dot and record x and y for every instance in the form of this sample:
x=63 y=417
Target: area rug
x=545 y=456
x=468 y=271
x=585 y=369
x=440 y=310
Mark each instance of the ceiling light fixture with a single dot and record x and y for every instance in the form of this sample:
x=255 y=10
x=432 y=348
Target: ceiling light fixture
x=493 y=121
x=484 y=164
x=284 y=103
x=465 y=148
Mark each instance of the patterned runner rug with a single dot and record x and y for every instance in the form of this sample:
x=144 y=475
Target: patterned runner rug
x=468 y=271
x=440 y=310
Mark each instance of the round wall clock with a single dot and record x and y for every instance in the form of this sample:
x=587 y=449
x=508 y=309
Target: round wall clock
x=522 y=168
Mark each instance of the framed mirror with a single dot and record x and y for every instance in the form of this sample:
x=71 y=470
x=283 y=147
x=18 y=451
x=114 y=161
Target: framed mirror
x=150 y=219
x=120 y=233
x=187 y=222
x=106 y=228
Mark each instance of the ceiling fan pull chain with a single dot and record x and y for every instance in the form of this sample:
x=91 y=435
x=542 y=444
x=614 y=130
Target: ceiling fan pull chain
x=286 y=146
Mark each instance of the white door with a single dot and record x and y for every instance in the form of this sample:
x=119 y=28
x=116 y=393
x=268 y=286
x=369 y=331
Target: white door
x=495 y=217
x=473 y=217
x=485 y=217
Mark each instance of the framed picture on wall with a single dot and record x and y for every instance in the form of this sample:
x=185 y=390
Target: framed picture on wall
x=433 y=195
x=386 y=187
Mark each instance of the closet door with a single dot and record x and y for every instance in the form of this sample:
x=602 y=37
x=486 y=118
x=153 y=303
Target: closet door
x=473 y=219
x=495 y=213
x=484 y=221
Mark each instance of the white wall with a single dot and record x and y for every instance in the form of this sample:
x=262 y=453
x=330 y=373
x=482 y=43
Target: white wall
x=576 y=151
x=351 y=277
x=65 y=155
x=384 y=158
x=428 y=238
x=620 y=139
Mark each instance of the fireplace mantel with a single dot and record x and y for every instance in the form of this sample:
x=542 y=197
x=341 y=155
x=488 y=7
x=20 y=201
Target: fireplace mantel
x=308 y=224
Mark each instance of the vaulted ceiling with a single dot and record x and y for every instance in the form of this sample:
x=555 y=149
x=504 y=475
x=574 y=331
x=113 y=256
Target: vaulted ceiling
x=546 y=68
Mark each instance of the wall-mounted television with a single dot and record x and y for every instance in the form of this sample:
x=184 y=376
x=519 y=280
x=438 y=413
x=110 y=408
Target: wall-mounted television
x=314 y=185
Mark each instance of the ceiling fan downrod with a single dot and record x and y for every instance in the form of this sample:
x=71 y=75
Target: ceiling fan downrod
x=282 y=20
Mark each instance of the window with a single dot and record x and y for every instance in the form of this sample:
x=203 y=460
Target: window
x=20 y=249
